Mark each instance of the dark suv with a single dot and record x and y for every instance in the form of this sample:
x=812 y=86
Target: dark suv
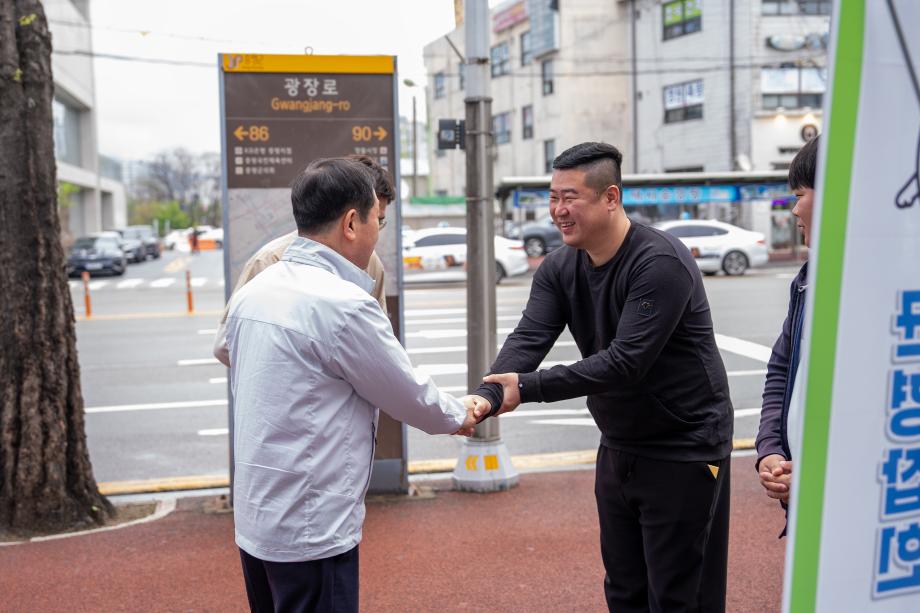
x=541 y=237
x=146 y=236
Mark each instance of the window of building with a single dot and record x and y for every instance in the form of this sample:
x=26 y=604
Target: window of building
x=549 y=154
x=501 y=60
x=546 y=72
x=793 y=87
x=796 y=7
x=67 y=144
x=501 y=128
x=439 y=85
x=683 y=101
x=527 y=122
x=462 y=72
x=681 y=17
x=526 y=48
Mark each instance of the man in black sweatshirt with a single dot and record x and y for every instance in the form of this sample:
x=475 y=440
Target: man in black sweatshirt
x=633 y=299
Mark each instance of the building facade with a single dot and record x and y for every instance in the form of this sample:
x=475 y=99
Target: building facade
x=557 y=79
x=723 y=85
x=677 y=85
x=95 y=198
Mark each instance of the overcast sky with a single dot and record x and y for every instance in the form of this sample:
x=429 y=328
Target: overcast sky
x=144 y=107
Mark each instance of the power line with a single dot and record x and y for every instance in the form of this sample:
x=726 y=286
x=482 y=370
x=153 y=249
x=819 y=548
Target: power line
x=89 y=26
x=713 y=68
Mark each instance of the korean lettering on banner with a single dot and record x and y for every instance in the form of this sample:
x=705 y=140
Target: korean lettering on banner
x=898 y=567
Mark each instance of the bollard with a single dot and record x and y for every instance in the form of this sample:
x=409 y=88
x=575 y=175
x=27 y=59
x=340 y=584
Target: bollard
x=188 y=291
x=86 y=301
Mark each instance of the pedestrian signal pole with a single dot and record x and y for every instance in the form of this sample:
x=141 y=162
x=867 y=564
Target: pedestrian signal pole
x=484 y=464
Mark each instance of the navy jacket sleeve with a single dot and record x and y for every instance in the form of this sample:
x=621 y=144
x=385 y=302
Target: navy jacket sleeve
x=658 y=295
x=541 y=324
x=769 y=433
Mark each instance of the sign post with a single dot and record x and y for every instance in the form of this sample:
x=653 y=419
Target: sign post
x=279 y=113
x=854 y=520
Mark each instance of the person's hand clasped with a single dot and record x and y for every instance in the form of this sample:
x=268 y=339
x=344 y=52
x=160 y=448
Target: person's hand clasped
x=776 y=476
x=510 y=390
x=476 y=408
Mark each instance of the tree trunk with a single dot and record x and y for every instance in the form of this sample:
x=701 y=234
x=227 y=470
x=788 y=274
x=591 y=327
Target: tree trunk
x=46 y=480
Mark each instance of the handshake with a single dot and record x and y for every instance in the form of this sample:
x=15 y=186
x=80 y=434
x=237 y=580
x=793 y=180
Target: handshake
x=478 y=408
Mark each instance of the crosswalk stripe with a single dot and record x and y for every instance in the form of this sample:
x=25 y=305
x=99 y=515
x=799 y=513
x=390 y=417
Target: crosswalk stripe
x=449 y=333
x=94 y=285
x=740 y=346
x=198 y=281
x=164 y=282
x=129 y=283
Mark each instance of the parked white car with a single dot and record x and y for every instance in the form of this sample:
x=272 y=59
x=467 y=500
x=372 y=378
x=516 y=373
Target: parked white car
x=444 y=250
x=717 y=245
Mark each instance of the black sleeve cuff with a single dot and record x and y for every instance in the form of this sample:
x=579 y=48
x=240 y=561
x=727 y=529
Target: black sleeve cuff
x=529 y=386
x=494 y=394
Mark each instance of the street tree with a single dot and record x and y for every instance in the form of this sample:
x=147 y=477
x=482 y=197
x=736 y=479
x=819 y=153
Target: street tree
x=46 y=479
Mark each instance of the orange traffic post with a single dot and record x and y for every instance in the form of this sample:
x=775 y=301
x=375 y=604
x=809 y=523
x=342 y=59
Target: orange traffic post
x=188 y=291
x=86 y=300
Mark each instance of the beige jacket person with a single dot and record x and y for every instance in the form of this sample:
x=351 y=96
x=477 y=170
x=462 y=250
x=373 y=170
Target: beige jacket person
x=265 y=257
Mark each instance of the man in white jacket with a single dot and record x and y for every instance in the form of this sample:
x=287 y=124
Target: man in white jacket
x=312 y=356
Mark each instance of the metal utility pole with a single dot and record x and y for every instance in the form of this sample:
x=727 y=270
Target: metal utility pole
x=484 y=464
x=414 y=151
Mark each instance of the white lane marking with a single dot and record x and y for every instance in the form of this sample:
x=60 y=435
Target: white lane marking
x=457 y=368
x=462 y=348
x=164 y=282
x=786 y=275
x=740 y=346
x=129 y=283
x=188 y=404
x=545 y=413
x=214 y=432
x=449 y=333
x=210 y=331
x=73 y=284
x=217 y=380
x=197 y=362
x=589 y=421
x=94 y=285
x=221 y=283
x=571 y=421
x=746 y=373
x=447 y=311
x=456 y=320
x=198 y=281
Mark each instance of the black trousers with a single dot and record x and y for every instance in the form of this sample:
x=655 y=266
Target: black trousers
x=329 y=585
x=664 y=532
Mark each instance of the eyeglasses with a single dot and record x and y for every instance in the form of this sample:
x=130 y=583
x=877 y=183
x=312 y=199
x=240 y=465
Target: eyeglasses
x=381 y=223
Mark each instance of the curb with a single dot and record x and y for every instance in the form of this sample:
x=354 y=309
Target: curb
x=535 y=461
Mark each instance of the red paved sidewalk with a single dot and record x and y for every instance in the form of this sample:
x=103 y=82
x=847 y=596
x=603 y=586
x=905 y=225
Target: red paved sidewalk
x=531 y=549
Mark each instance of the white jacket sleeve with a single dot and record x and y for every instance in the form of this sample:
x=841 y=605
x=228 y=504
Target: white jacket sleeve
x=367 y=355
x=221 y=351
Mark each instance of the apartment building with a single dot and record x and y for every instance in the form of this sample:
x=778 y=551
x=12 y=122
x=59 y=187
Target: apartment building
x=557 y=79
x=98 y=202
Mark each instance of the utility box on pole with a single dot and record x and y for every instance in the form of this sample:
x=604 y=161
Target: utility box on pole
x=484 y=464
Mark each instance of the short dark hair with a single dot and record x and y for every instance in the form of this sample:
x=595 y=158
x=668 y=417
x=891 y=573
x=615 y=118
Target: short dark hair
x=327 y=188
x=804 y=166
x=600 y=162
x=383 y=186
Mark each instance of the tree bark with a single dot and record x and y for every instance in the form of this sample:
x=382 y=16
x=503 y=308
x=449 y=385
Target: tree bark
x=46 y=479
